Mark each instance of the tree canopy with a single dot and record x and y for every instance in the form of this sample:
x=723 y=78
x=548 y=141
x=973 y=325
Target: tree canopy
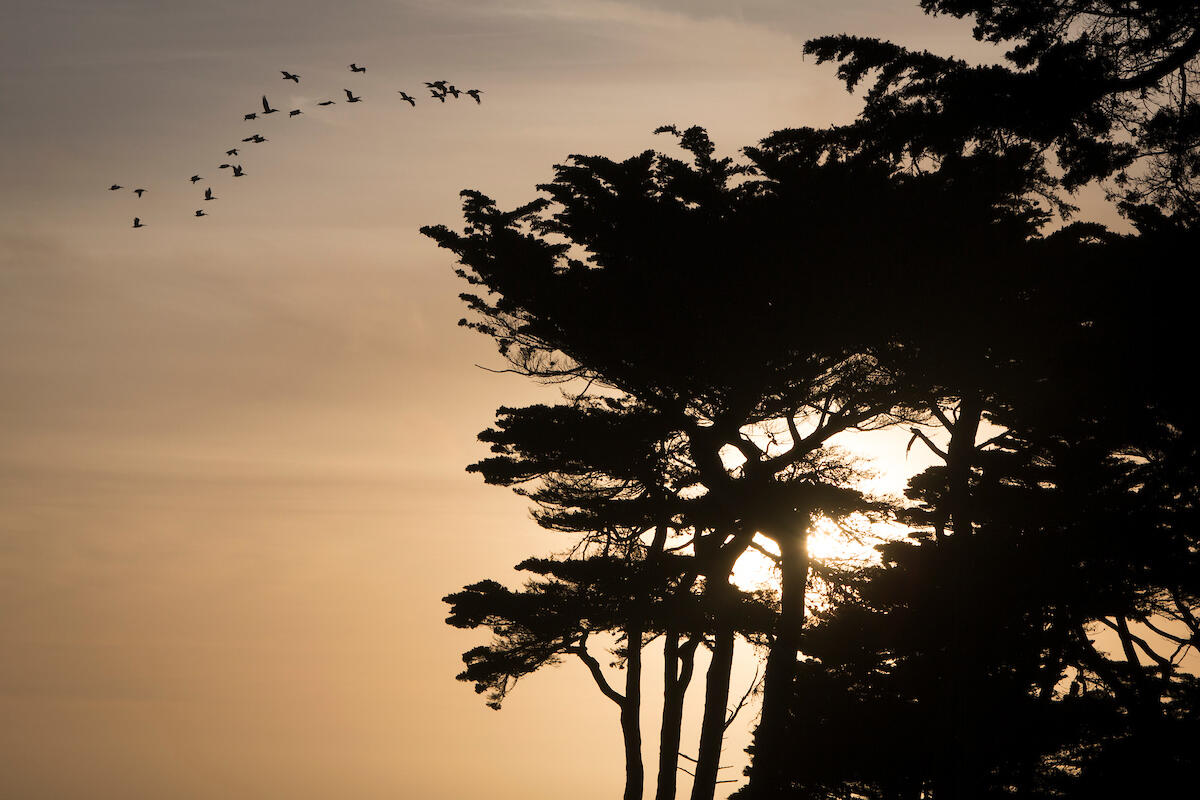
x=716 y=324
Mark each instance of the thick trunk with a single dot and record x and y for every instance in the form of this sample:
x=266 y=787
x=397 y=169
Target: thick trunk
x=677 y=674
x=960 y=454
x=960 y=778
x=716 y=696
x=772 y=738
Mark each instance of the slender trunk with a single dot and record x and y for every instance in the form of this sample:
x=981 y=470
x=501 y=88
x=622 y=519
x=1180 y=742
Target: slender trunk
x=631 y=713
x=772 y=738
x=672 y=719
x=716 y=697
x=677 y=674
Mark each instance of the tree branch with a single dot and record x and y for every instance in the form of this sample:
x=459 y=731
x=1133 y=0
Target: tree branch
x=597 y=673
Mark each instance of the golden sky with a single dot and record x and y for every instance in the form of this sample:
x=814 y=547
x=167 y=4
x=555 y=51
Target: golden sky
x=232 y=449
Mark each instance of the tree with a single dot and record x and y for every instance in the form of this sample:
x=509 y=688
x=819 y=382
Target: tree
x=1107 y=86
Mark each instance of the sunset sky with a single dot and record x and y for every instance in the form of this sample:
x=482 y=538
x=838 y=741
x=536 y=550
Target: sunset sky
x=231 y=457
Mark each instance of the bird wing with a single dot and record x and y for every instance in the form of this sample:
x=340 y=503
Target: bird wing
x=266 y=106
x=349 y=95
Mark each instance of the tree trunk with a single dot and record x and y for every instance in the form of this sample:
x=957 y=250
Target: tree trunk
x=631 y=714
x=716 y=696
x=959 y=455
x=677 y=674
x=772 y=738
x=960 y=778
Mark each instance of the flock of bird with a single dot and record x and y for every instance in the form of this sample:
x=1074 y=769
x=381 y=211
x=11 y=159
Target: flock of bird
x=439 y=90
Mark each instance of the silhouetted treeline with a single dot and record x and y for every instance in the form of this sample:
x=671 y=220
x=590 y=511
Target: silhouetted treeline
x=716 y=323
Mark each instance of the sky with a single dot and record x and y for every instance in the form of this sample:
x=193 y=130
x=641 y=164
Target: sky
x=232 y=449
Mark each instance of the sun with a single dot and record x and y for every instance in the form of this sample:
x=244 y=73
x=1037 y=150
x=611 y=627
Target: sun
x=849 y=544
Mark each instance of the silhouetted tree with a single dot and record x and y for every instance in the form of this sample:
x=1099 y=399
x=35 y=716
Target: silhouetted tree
x=1107 y=85
x=607 y=290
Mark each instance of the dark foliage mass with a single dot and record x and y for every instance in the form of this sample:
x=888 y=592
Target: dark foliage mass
x=715 y=324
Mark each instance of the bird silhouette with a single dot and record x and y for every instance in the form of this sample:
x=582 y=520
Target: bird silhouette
x=200 y=212
x=475 y=94
x=438 y=95
x=439 y=85
x=195 y=178
x=267 y=107
x=237 y=171
x=325 y=103
x=287 y=76
x=208 y=195
x=453 y=91
x=255 y=138
x=137 y=222
x=138 y=192
x=232 y=152
x=250 y=116
x=357 y=68
x=406 y=98
x=114 y=187
x=350 y=98
x=294 y=112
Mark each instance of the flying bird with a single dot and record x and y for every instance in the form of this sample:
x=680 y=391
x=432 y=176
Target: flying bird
x=137 y=222
x=350 y=98
x=237 y=171
x=200 y=212
x=287 y=76
x=250 y=116
x=453 y=91
x=325 y=103
x=208 y=195
x=439 y=85
x=475 y=94
x=232 y=152
x=406 y=98
x=294 y=112
x=195 y=178
x=438 y=95
x=138 y=192
x=255 y=138
x=267 y=107
x=114 y=187
x=357 y=68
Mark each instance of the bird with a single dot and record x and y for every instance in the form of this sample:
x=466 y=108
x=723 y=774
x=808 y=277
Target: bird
x=325 y=103
x=138 y=192
x=357 y=68
x=453 y=91
x=350 y=98
x=475 y=94
x=208 y=195
x=294 y=112
x=438 y=95
x=439 y=85
x=267 y=107
x=237 y=171
x=137 y=222
x=232 y=152
x=250 y=116
x=406 y=98
x=115 y=186
x=195 y=178
x=256 y=138
x=200 y=212
x=287 y=76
